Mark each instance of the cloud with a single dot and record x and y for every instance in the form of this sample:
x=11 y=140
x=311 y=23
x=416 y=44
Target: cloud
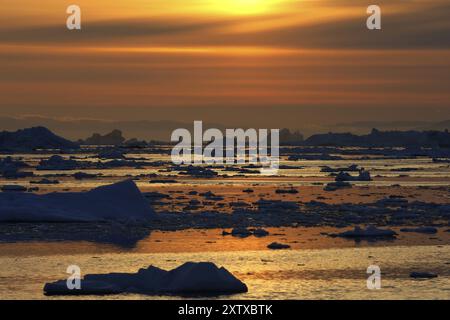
x=331 y=24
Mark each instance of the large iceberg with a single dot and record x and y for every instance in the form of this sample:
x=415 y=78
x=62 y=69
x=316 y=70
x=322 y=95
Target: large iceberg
x=189 y=279
x=32 y=139
x=120 y=201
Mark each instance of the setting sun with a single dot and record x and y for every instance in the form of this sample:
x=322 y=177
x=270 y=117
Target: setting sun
x=242 y=7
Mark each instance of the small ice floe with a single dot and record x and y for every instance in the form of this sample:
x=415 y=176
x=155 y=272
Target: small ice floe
x=121 y=201
x=163 y=181
x=83 y=175
x=44 y=181
x=363 y=176
x=9 y=168
x=260 y=233
x=189 y=279
x=333 y=186
x=56 y=162
x=278 y=246
x=268 y=206
x=351 y=168
x=244 y=232
x=369 y=232
x=423 y=275
x=428 y=230
x=13 y=188
x=286 y=191
x=241 y=232
x=392 y=201
x=196 y=171
x=111 y=154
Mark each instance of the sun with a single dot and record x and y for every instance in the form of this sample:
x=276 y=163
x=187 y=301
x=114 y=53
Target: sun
x=242 y=7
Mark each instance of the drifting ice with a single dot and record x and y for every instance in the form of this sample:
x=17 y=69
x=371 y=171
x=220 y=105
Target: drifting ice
x=202 y=278
x=118 y=201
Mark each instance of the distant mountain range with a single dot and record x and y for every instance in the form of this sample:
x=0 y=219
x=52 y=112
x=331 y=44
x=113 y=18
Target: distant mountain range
x=42 y=138
x=75 y=129
x=433 y=139
x=364 y=126
x=32 y=139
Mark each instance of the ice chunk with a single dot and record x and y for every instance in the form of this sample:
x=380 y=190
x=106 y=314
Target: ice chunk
x=429 y=230
x=199 y=279
x=423 y=275
x=276 y=246
x=370 y=231
x=118 y=201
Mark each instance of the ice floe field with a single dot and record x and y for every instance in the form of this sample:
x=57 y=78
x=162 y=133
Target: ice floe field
x=289 y=236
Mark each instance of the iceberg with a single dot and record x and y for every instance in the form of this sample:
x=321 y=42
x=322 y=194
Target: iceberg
x=118 y=201
x=423 y=275
x=369 y=232
x=278 y=246
x=429 y=230
x=189 y=279
x=33 y=138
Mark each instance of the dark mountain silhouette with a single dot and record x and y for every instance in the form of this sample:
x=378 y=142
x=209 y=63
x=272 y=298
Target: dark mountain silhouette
x=378 y=138
x=32 y=139
x=290 y=138
x=114 y=138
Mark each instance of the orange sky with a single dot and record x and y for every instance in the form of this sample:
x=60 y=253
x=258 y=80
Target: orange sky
x=153 y=54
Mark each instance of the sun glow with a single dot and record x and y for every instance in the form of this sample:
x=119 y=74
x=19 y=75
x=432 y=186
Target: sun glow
x=242 y=7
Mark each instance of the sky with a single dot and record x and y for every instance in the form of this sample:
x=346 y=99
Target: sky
x=303 y=64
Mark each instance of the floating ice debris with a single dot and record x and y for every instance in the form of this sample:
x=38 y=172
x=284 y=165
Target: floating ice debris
x=363 y=176
x=311 y=157
x=423 y=275
x=428 y=230
x=44 y=181
x=240 y=232
x=286 y=191
x=189 y=279
x=83 y=175
x=333 y=186
x=392 y=201
x=120 y=201
x=260 y=233
x=13 y=188
x=195 y=171
x=56 y=162
x=278 y=246
x=275 y=205
x=88 y=288
x=163 y=181
x=156 y=195
x=111 y=154
x=351 y=168
x=9 y=168
x=369 y=232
